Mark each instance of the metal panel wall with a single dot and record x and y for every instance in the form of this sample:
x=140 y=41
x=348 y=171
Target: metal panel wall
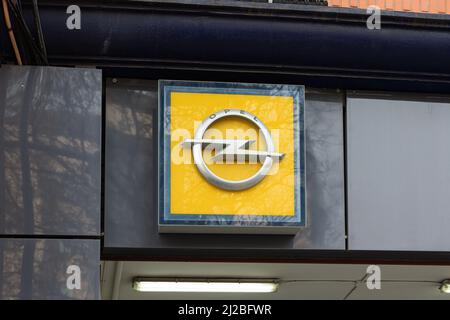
x=37 y=268
x=398 y=172
x=131 y=148
x=50 y=182
x=50 y=151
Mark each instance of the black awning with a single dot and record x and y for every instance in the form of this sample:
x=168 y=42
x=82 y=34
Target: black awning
x=328 y=45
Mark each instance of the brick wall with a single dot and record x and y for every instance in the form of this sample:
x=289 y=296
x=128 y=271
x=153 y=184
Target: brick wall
x=426 y=6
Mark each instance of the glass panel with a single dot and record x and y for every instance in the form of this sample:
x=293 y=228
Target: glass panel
x=50 y=150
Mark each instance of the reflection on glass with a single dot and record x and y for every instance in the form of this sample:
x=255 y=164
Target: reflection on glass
x=36 y=269
x=50 y=122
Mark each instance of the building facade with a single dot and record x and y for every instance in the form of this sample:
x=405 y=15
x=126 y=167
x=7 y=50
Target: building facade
x=82 y=145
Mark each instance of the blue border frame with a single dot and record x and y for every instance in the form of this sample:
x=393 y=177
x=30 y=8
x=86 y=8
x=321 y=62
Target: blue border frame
x=166 y=87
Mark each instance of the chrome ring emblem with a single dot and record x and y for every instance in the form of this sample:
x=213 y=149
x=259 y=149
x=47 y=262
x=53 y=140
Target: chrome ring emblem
x=232 y=148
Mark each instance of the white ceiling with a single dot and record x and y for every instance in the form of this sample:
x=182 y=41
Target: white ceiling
x=298 y=281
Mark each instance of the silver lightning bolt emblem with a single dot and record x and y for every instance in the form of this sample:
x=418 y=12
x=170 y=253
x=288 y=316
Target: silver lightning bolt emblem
x=236 y=150
x=233 y=151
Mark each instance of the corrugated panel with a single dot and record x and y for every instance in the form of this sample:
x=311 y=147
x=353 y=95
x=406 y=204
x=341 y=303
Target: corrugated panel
x=426 y=6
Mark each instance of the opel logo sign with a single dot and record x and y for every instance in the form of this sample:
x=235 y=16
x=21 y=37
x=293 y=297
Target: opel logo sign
x=232 y=148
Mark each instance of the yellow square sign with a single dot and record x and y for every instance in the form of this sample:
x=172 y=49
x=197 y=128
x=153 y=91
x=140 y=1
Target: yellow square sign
x=232 y=157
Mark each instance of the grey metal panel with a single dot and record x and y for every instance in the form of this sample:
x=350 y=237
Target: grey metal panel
x=131 y=176
x=398 y=172
x=37 y=268
x=50 y=150
x=324 y=172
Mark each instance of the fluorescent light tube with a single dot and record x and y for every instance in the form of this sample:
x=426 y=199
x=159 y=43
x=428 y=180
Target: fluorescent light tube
x=247 y=286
